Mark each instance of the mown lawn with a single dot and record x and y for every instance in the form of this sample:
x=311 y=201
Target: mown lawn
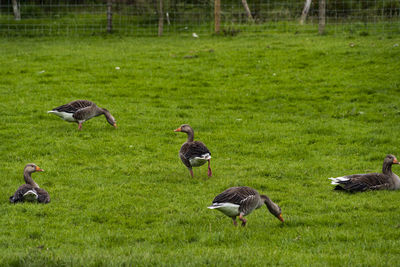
x=280 y=113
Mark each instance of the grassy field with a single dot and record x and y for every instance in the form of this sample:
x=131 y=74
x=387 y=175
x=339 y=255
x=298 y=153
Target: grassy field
x=280 y=113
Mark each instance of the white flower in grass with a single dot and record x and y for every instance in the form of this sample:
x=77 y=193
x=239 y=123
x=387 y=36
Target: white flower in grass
x=117 y=68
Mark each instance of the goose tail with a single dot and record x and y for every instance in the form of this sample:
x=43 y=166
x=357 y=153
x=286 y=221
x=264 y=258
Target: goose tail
x=338 y=180
x=215 y=206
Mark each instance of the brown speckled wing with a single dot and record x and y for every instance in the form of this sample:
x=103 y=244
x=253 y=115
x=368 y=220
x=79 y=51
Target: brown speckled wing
x=19 y=194
x=84 y=113
x=43 y=196
x=235 y=195
x=74 y=106
x=362 y=182
x=194 y=149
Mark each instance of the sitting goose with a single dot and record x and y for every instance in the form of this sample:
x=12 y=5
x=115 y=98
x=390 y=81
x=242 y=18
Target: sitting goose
x=80 y=111
x=193 y=153
x=31 y=190
x=374 y=181
x=242 y=201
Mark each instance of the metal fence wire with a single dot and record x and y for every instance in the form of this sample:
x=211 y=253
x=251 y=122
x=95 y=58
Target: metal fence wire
x=143 y=17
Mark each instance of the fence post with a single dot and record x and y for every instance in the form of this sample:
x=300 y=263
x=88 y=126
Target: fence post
x=321 y=16
x=217 y=16
x=109 y=16
x=304 y=14
x=17 y=13
x=246 y=7
x=160 y=18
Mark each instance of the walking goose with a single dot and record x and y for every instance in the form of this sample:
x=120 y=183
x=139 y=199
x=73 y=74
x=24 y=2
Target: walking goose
x=193 y=153
x=31 y=190
x=80 y=111
x=374 y=181
x=242 y=201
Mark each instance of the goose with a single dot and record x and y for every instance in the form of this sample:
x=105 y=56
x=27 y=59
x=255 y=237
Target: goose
x=373 y=181
x=241 y=201
x=31 y=190
x=193 y=153
x=80 y=111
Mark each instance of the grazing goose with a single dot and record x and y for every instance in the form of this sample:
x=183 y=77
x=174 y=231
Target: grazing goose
x=193 y=153
x=242 y=201
x=31 y=190
x=80 y=111
x=374 y=181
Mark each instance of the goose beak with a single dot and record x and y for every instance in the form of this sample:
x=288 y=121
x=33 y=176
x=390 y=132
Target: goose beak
x=281 y=218
x=395 y=161
x=115 y=125
x=177 y=130
x=39 y=169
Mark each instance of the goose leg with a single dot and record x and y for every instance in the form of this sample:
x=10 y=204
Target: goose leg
x=244 y=221
x=234 y=221
x=80 y=126
x=191 y=172
x=209 y=173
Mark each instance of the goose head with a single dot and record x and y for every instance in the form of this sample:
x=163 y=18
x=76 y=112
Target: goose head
x=272 y=207
x=185 y=128
x=31 y=167
x=391 y=159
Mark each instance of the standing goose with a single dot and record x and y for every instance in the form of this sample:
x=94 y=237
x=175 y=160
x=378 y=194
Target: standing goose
x=193 y=153
x=374 y=181
x=31 y=190
x=80 y=111
x=242 y=201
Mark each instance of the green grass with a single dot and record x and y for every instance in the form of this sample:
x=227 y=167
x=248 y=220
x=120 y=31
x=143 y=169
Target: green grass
x=280 y=113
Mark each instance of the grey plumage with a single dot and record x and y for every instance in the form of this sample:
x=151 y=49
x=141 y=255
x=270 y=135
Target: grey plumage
x=370 y=181
x=241 y=201
x=193 y=153
x=30 y=191
x=80 y=111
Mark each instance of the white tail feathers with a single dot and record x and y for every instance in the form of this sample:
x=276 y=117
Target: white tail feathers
x=227 y=208
x=30 y=196
x=338 y=179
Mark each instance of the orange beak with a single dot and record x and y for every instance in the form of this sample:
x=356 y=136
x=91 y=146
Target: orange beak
x=395 y=161
x=280 y=218
x=177 y=130
x=39 y=169
x=115 y=125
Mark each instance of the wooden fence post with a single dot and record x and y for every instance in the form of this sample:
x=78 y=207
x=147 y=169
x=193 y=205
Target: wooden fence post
x=306 y=9
x=321 y=16
x=17 y=13
x=160 y=18
x=217 y=16
x=109 y=16
x=247 y=9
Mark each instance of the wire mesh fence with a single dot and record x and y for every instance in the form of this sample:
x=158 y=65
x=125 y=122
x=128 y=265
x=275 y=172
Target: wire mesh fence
x=143 y=17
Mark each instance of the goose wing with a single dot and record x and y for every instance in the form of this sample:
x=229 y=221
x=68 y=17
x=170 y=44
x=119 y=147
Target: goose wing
x=362 y=182
x=43 y=196
x=19 y=194
x=74 y=106
x=194 y=149
x=236 y=195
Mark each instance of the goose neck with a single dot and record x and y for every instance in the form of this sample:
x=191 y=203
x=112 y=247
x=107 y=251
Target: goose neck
x=266 y=200
x=28 y=179
x=387 y=168
x=190 y=136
